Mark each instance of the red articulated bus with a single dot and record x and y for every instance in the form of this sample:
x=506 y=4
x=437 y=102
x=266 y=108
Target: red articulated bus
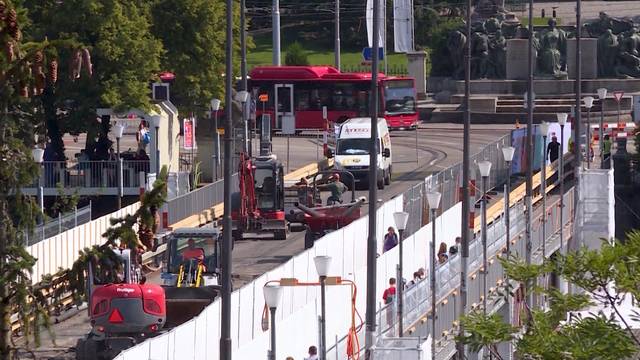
x=302 y=92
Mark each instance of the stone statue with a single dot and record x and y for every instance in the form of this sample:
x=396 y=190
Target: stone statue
x=630 y=41
x=553 y=51
x=456 y=43
x=605 y=22
x=479 y=53
x=498 y=56
x=491 y=25
x=607 y=53
x=628 y=66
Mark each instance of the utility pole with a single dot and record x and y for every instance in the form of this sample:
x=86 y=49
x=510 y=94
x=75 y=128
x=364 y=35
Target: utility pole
x=577 y=126
x=225 y=331
x=465 y=230
x=529 y=147
x=243 y=45
x=275 y=29
x=372 y=243
x=336 y=46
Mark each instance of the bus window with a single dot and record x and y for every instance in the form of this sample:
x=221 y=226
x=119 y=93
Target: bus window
x=399 y=97
x=344 y=97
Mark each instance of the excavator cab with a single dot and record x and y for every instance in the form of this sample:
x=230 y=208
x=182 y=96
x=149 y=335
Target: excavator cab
x=258 y=208
x=269 y=184
x=191 y=272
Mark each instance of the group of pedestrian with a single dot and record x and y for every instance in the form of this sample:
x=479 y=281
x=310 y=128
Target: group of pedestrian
x=313 y=354
x=554 y=149
x=443 y=256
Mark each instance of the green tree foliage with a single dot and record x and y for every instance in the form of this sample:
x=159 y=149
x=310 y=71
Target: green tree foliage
x=17 y=211
x=193 y=35
x=124 y=56
x=551 y=333
x=296 y=55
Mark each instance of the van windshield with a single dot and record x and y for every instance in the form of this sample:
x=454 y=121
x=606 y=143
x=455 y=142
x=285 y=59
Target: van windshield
x=357 y=146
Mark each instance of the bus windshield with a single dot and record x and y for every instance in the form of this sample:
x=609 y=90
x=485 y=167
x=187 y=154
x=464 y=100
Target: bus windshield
x=356 y=146
x=399 y=97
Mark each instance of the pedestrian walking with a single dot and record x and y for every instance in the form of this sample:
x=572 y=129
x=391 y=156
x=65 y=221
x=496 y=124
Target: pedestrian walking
x=389 y=293
x=390 y=239
x=442 y=249
x=313 y=353
x=455 y=248
x=553 y=149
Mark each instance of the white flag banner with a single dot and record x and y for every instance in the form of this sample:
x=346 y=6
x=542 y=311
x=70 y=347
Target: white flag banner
x=369 y=16
x=403 y=25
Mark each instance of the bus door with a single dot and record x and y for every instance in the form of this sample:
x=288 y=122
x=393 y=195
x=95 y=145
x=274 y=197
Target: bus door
x=284 y=103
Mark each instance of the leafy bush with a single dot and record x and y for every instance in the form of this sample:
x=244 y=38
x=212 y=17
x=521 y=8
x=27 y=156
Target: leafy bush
x=296 y=55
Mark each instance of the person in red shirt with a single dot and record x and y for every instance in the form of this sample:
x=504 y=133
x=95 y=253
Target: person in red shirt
x=192 y=252
x=390 y=293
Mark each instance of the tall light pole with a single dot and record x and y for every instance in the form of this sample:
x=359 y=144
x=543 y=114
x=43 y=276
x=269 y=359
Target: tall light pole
x=118 y=131
x=272 y=296
x=226 y=266
x=336 y=46
x=372 y=242
x=322 y=268
x=562 y=121
x=578 y=113
x=275 y=28
x=400 y=219
x=602 y=94
x=215 y=106
x=465 y=230
x=507 y=153
x=544 y=129
x=485 y=171
x=588 y=103
x=155 y=122
x=243 y=45
x=242 y=97
x=433 y=198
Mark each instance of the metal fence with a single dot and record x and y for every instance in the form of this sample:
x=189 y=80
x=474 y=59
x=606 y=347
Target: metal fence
x=92 y=174
x=198 y=200
x=448 y=182
x=53 y=227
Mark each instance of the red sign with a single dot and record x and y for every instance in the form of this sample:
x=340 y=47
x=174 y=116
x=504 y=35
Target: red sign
x=263 y=97
x=618 y=95
x=188 y=134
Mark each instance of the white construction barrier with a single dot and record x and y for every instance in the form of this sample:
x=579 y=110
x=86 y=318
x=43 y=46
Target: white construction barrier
x=62 y=250
x=297 y=315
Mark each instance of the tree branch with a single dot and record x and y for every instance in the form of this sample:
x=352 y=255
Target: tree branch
x=624 y=321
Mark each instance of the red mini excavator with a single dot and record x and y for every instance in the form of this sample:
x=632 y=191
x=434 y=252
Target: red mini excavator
x=258 y=208
x=122 y=314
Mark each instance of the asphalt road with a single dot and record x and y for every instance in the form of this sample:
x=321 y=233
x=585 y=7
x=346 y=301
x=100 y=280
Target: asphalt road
x=439 y=146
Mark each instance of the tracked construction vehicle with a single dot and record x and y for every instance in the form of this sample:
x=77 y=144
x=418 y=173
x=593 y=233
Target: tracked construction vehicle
x=126 y=313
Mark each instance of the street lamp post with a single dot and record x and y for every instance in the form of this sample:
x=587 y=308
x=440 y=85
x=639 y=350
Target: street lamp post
x=322 y=268
x=400 y=219
x=562 y=120
x=242 y=97
x=507 y=153
x=485 y=170
x=588 y=103
x=118 y=131
x=215 y=106
x=602 y=94
x=155 y=122
x=433 y=198
x=272 y=296
x=38 y=155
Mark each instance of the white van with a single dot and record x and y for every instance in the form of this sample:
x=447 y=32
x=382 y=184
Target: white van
x=352 y=150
